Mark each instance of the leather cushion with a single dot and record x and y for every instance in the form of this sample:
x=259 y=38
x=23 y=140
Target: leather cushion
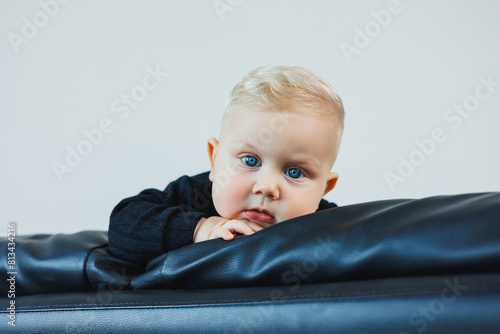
x=391 y=238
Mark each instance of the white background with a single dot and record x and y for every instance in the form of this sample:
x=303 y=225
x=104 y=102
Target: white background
x=63 y=79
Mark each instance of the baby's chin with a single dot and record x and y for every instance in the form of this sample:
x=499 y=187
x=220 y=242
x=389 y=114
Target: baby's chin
x=258 y=222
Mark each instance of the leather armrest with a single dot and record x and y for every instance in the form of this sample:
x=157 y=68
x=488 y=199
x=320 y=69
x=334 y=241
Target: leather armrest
x=51 y=263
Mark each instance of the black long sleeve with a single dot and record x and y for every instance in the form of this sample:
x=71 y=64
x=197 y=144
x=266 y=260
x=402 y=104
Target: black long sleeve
x=145 y=226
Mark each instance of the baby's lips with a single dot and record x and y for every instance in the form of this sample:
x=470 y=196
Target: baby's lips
x=259 y=216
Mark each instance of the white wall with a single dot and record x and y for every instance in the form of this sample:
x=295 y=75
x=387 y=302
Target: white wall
x=61 y=78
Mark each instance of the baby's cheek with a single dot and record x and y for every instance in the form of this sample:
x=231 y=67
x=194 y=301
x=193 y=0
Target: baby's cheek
x=230 y=198
x=300 y=207
x=236 y=192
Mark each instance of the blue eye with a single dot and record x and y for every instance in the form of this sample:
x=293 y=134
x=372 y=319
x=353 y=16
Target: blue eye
x=251 y=161
x=294 y=173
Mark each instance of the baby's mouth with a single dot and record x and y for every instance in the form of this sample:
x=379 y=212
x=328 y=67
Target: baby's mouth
x=261 y=216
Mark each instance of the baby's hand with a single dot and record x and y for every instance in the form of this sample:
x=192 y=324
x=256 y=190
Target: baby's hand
x=219 y=227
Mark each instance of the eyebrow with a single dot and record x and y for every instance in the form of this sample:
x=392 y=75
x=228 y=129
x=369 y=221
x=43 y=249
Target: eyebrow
x=305 y=159
x=242 y=144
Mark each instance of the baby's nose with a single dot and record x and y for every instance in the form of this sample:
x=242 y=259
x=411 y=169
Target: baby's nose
x=268 y=187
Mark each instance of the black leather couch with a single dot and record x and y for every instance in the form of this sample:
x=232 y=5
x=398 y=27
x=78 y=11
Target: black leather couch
x=429 y=265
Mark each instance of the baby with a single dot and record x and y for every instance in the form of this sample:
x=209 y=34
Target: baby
x=278 y=141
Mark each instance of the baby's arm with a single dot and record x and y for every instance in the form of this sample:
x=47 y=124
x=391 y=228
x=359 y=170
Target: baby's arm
x=219 y=227
x=145 y=226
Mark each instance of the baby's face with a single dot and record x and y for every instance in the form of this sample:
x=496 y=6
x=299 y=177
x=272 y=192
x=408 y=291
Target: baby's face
x=269 y=167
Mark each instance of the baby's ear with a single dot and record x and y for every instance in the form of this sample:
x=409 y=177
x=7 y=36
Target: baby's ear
x=331 y=182
x=212 y=146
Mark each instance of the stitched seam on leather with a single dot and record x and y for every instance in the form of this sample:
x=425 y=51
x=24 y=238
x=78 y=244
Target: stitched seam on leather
x=290 y=299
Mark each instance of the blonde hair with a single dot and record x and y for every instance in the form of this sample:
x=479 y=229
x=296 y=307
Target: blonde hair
x=286 y=87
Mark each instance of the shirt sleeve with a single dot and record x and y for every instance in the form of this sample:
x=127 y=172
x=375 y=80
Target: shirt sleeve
x=145 y=226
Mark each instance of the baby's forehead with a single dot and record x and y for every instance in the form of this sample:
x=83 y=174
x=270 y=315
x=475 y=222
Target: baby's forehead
x=277 y=119
x=246 y=113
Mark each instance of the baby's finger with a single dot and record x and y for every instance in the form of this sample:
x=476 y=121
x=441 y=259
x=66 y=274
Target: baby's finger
x=255 y=226
x=239 y=226
x=221 y=232
x=228 y=235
